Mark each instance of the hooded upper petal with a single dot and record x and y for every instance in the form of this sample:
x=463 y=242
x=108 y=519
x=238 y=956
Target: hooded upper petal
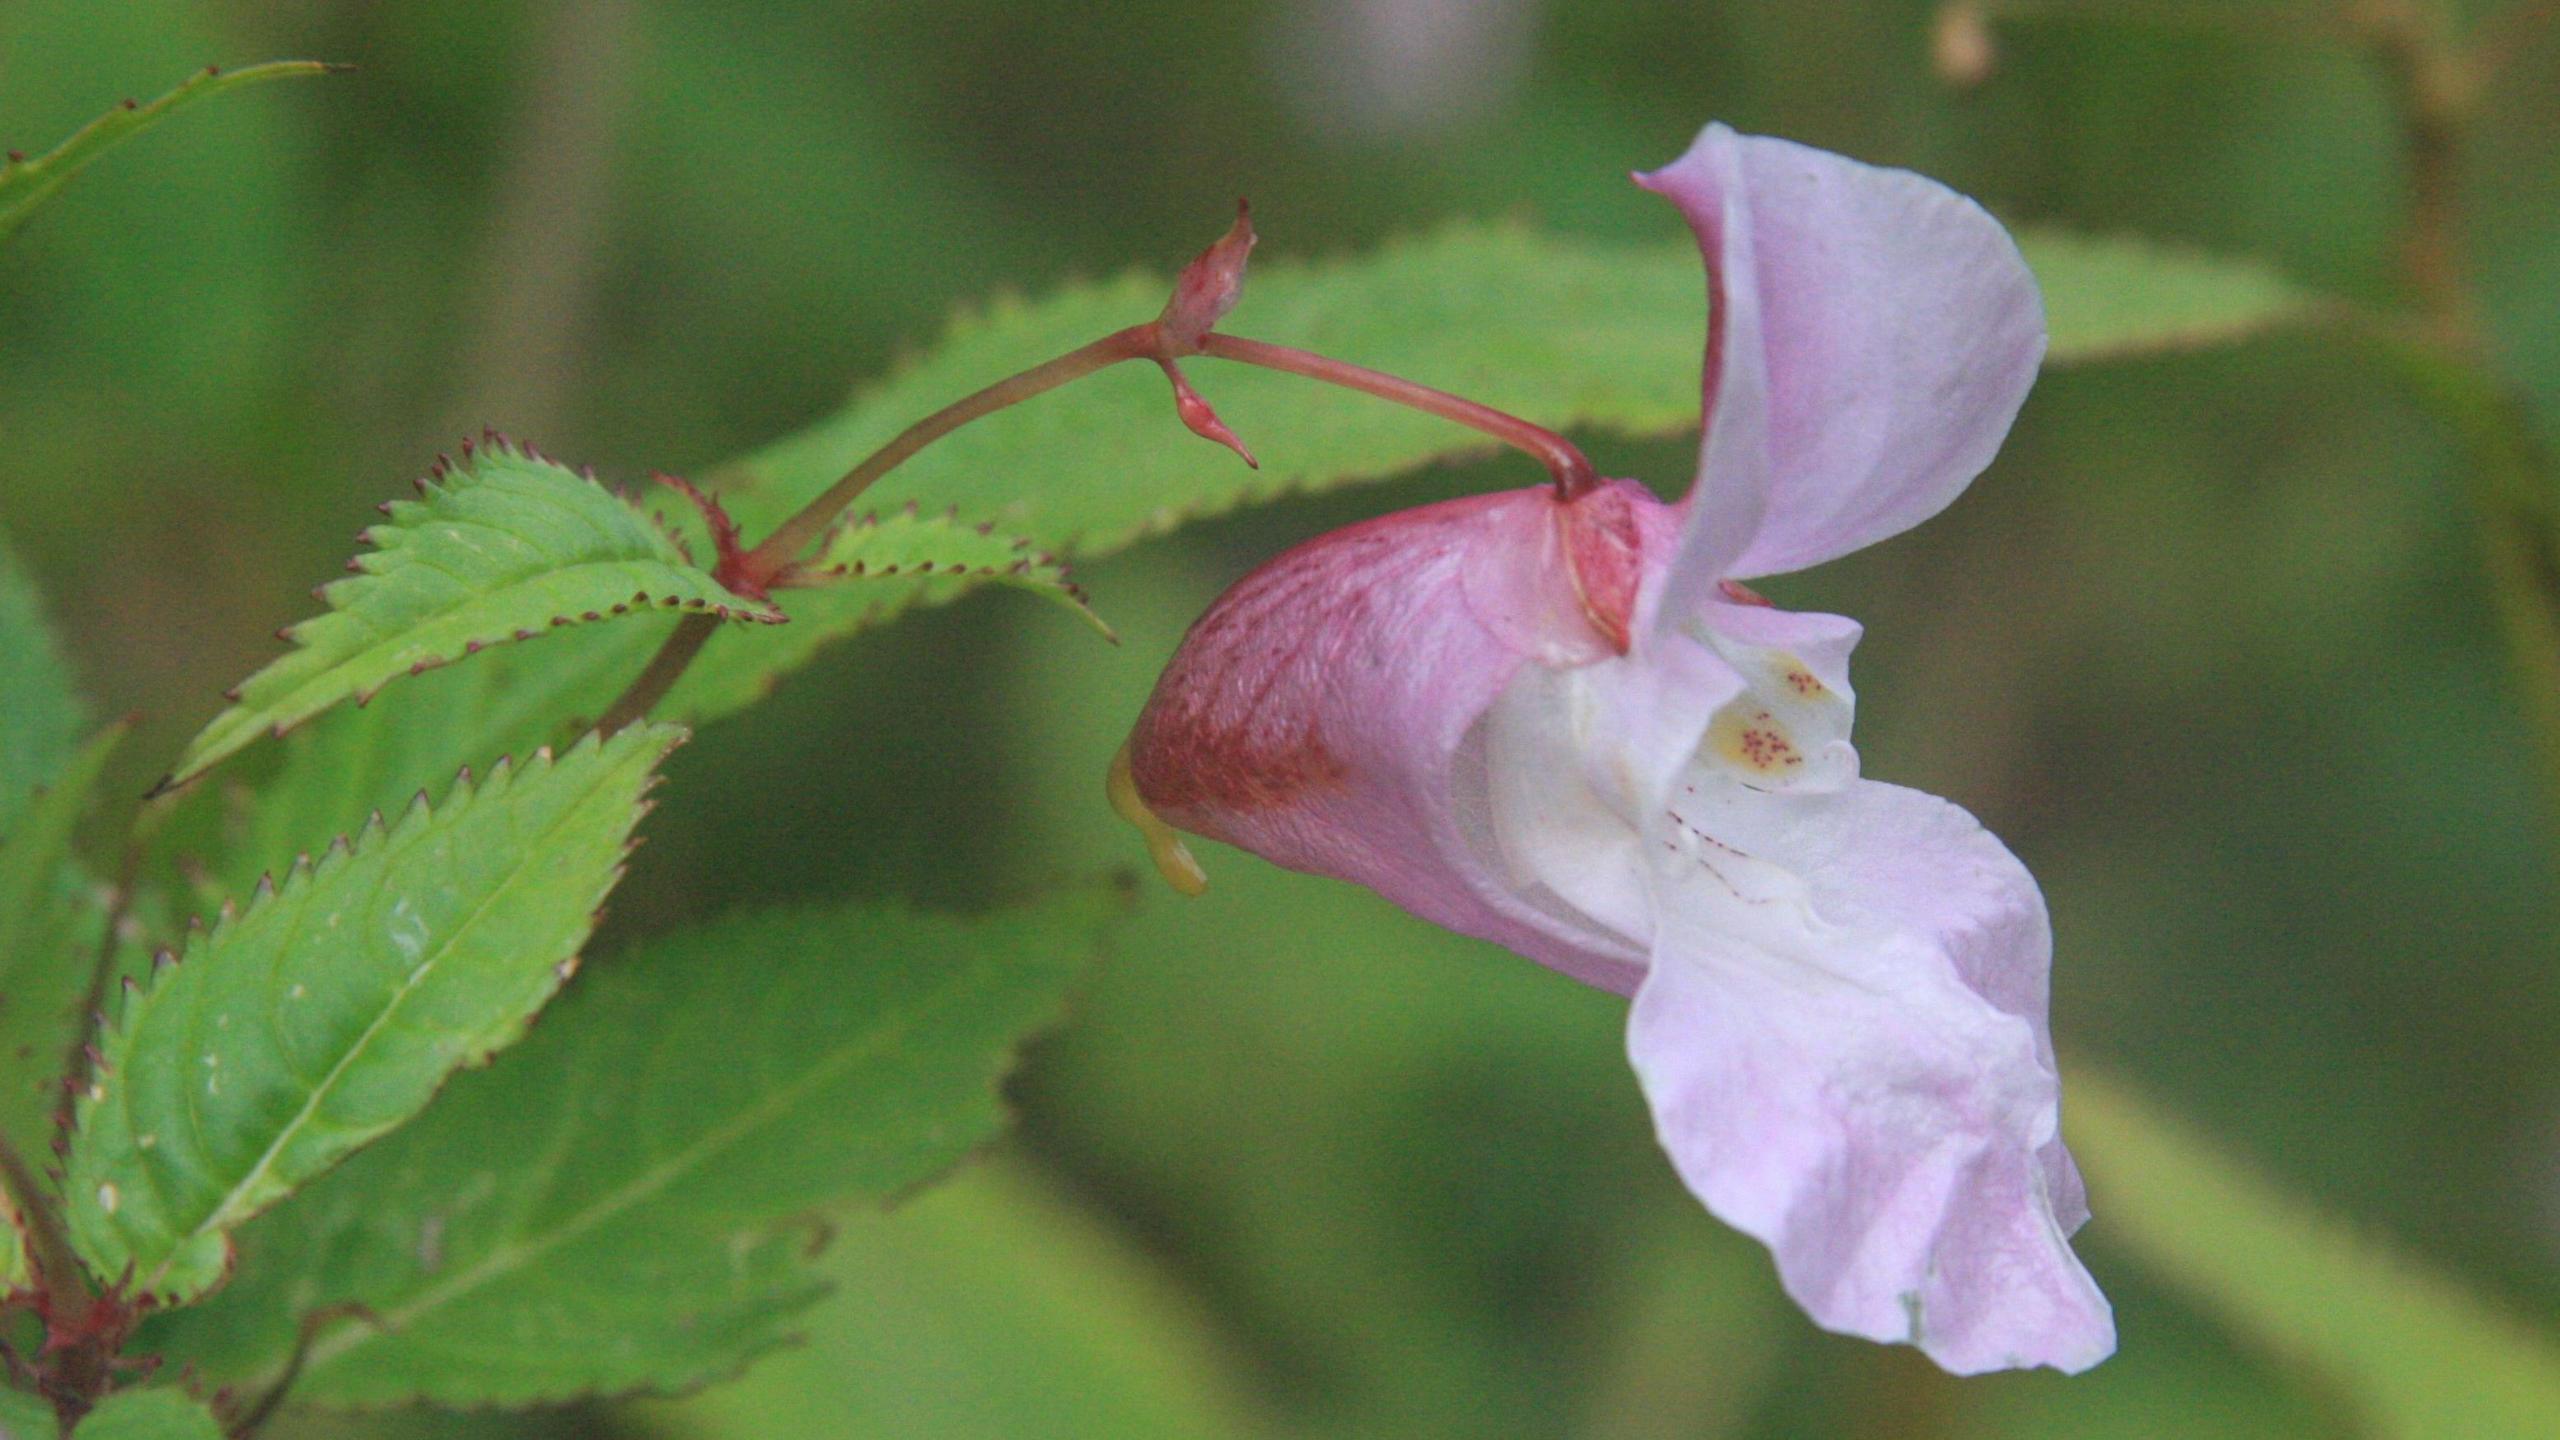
x=1871 y=335
x=1323 y=713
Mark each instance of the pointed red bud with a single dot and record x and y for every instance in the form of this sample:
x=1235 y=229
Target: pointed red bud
x=1202 y=420
x=1208 y=288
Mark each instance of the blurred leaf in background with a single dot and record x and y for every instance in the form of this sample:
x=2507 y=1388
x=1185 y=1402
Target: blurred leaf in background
x=992 y=1305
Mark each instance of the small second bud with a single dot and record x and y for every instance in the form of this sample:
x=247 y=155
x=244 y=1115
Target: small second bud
x=1202 y=420
x=1203 y=293
x=1208 y=287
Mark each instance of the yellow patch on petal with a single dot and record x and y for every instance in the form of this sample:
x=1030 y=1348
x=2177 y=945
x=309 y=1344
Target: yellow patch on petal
x=1751 y=740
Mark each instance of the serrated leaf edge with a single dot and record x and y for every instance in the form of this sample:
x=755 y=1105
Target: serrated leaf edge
x=305 y=872
x=1034 y=569
x=388 y=544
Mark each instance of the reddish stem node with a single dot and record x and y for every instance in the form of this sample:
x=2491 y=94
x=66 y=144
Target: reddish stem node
x=730 y=565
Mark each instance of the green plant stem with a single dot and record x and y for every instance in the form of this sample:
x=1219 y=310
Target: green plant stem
x=2514 y=490
x=2508 y=472
x=26 y=184
x=59 y=1276
x=264 y=1408
x=796 y=534
x=2523 y=561
x=665 y=669
x=81 y=1057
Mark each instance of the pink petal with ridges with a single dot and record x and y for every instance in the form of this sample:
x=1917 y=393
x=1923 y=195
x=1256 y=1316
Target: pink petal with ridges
x=1873 y=335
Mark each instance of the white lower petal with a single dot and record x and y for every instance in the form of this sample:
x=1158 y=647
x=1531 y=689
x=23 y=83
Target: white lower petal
x=1827 y=1076
x=1841 y=1023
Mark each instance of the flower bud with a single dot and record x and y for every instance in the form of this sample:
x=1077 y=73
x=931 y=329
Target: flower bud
x=1208 y=287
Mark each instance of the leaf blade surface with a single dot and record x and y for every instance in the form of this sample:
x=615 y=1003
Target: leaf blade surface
x=503 y=546
x=621 y=1204
x=330 y=1011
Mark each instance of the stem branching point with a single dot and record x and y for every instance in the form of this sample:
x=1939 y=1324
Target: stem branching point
x=1206 y=290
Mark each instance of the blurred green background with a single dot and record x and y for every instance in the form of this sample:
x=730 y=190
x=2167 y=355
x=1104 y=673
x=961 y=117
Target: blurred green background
x=2208 y=645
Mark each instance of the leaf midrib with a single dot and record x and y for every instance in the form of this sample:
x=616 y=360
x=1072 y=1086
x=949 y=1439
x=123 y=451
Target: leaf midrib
x=503 y=590
x=643 y=1186
x=214 y=1220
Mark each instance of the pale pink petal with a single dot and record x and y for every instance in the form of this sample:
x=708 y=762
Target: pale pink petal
x=1323 y=713
x=1842 y=1037
x=1872 y=337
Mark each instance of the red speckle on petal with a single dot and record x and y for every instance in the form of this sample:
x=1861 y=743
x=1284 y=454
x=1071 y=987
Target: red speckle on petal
x=1234 y=723
x=1188 y=762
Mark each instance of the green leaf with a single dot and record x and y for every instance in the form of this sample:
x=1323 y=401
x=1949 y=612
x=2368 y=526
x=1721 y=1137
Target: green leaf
x=331 y=1010
x=25 y=1416
x=49 y=936
x=150 y=1415
x=623 y=1203
x=353 y=762
x=992 y=1305
x=2414 y=1353
x=907 y=545
x=41 y=716
x=27 y=184
x=2119 y=297
x=504 y=546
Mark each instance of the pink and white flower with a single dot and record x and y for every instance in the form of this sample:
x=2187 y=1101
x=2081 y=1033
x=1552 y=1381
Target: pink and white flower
x=1558 y=722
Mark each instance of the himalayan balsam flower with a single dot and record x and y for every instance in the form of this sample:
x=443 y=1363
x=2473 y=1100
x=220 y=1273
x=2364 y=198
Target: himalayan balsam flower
x=1558 y=722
